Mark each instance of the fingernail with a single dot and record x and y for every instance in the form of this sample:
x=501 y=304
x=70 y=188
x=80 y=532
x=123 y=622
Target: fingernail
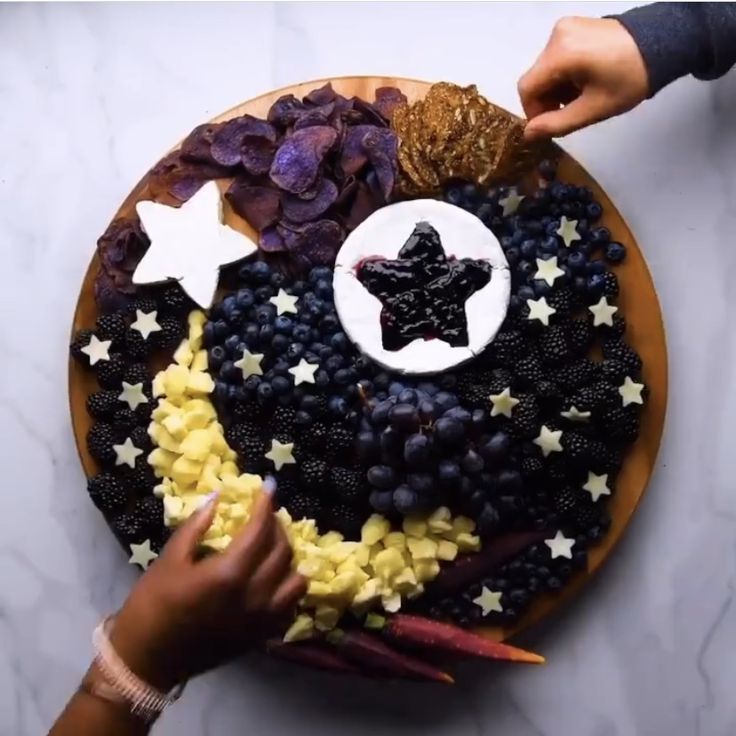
x=208 y=500
x=269 y=485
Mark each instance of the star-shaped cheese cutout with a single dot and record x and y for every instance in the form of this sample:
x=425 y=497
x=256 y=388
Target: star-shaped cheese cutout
x=575 y=415
x=630 y=392
x=303 y=372
x=126 y=453
x=284 y=302
x=597 y=486
x=97 y=350
x=603 y=312
x=539 y=309
x=489 y=601
x=133 y=395
x=145 y=323
x=280 y=454
x=250 y=364
x=511 y=202
x=548 y=270
x=560 y=546
x=503 y=403
x=190 y=244
x=568 y=231
x=548 y=440
x=142 y=554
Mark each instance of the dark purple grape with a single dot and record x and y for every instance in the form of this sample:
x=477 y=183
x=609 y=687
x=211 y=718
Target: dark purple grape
x=460 y=414
x=406 y=500
x=448 y=474
x=417 y=451
x=428 y=411
x=445 y=400
x=382 y=477
x=408 y=396
x=381 y=501
x=366 y=446
x=404 y=417
x=449 y=431
x=379 y=415
x=472 y=462
x=496 y=448
x=422 y=483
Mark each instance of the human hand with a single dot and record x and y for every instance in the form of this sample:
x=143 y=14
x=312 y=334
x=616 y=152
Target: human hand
x=590 y=70
x=188 y=614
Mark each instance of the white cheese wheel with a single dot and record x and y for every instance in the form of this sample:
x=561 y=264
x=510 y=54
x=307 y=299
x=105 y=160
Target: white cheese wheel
x=383 y=234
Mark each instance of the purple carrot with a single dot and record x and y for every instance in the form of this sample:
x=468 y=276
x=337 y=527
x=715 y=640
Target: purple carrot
x=310 y=654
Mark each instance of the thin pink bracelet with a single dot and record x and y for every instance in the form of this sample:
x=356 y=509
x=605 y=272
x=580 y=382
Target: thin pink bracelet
x=144 y=701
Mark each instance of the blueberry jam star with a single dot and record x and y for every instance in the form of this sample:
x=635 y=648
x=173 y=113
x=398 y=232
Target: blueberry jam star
x=423 y=293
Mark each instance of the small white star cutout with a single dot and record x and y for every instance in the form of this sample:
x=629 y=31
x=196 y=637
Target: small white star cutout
x=97 y=350
x=126 y=453
x=603 y=312
x=133 y=395
x=145 y=323
x=284 y=302
x=568 y=231
x=548 y=270
x=575 y=415
x=560 y=546
x=190 y=243
x=630 y=392
x=511 y=202
x=142 y=555
x=597 y=486
x=548 y=440
x=489 y=601
x=303 y=372
x=250 y=364
x=281 y=454
x=539 y=309
x=503 y=403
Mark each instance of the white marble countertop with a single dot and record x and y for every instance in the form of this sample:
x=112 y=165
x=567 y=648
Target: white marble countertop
x=91 y=95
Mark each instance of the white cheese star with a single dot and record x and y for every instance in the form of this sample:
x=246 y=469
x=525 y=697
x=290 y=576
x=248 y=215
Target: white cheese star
x=597 y=486
x=97 y=350
x=539 y=309
x=568 y=231
x=575 y=415
x=630 y=392
x=548 y=440
x=281 y=454
x=133 y=395
x=145 y=323
x=190 y=244
x=250 y=364
x=511 y=202
x=284 y=302
x=303 y=372
x=489 y=601
x=142 y=555
x=126 y=453
x=548 y=270
x=503 y=403
x=603 y=312
x=560 y=546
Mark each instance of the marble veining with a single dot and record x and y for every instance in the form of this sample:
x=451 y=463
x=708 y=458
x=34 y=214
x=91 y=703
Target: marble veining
x=91 y=95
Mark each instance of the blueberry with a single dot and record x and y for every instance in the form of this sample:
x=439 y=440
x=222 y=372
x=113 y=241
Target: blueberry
x=310 y=403
x=329 y=323
x=251 y=334
x=513 y=255
x=596 y=285
x=342 y=377
x=506 y=242
x=577 y=261
x=485 y=212
x=333 y=363
x=283 y=324
x=593 y=211
x=595 y=267
x=301 y=333
x=229 y=372
x=299 y=287
x=547 y=169
x=406 y=500
x=580 y=284
x=245 y=271
x=322 y=378
x=318 y=273
x=526 y=292
x=209 y=337
x=244 y=298
x=264 y=393
x=454 y=194
x=231 y=344
x=600 y=236
x=533 y=227
x=221 y=392
x=549 y=245
x=381 y=501
x=526 y=268
x=488 y=520
x=421 y=482
x=295 y=351
x=381 y=476
x=266 y=333
x=381 y=381
x=323 y=289
x=337 y=406
x=216 y=356
x=281 y=385
x=325 y=352
x=541 y=288
x=529 y=249
x=260 y=272
x=252 y=383
x=339 y=341
x=615 y=252
x=428 y=411
x=265 y=314
x=221 y=330
x=585 y=248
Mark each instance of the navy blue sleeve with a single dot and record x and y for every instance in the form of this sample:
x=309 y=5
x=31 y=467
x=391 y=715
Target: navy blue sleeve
x=676 y=39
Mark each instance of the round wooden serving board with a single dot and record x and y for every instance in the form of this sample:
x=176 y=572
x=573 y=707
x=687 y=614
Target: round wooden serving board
x=638 y=302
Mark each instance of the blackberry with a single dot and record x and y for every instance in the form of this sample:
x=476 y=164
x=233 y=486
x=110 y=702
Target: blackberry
x=143 y=413
x=565 y=500
x=499 y=379
x=144 y=304
x=506 y=348
x=610 y=284
x=525 y=417
x=532 y=468
x=303 y=506
x=315 y=437
x=110 y=372
x=313 y=473
x=583 y=450
x=476 y=397
x=253 y=452
x=580 y=336
x=238 y=435
x=282 y=421
x=100 y=440
x=596 y=397
x=347 y=520
x=150 y=511
x=617 y=329
x=110 y=326
x=137 y=373
x=620 y=424
x=339 y=443
x=563 y=300
x=103 y=404
x=124 y=420
x=171 y=333
x=81 y=340
x=558 y=471
x=107 y=493
x=620 y=351
x=136 y=346
x=613 y=371
x=129 y=528
x=586 y=515
x=553 y=345
x=347 y=483
x=528 y=370
x=576 y=375
x=548 y=393
x=140 y=479
x=174 y=301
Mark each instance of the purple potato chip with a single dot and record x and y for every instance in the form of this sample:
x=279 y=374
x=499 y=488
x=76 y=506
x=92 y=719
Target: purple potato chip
x=171 y=170
x=347 y=192
x=381 y=145
x=387 y=100
x=299 y=157
x=364 y=203
x=299 y=210
x=321 y=96
x=196 y=146
x=184 y=189
x=256 y=154
x=320 y=242
x=311 y=193
x=271 y=241
x=353 y=156
x=257 y=205
x=121 y=247
x=108 y=296
x=228 y=140
x=315 y=116
x=285 y=111
x=368 y=113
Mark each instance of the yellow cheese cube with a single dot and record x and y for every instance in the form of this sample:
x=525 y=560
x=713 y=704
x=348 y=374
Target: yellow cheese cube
x=426 y=570
x=230 y=455
x=208 y=482
x=388 y=563
x=422 y=549
x=330 y=539
x=463 y=524
x=342 y=551
x=196 y=419
x=395 y=539
x=159 y=385
x=405 y=581
x=326 y=618
x=200 y=383
x=440 y=521
x=368 y=592
x=185 y=470
x=391 y=602
x=196 y=322
x=217 y=437
x=175 y=426
x=229 y=468
x=446 y=550
x=415 y=527
x=183 y=354
x=302 y=628
x=362 y=555
x=237 y=511
x=374 y=530
x=468 y=542
x=161 y=461
x=173 y=507
x=175 y=380
x=199 y=362
x=219 y=543
x=163 y=410
x=196 y=445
